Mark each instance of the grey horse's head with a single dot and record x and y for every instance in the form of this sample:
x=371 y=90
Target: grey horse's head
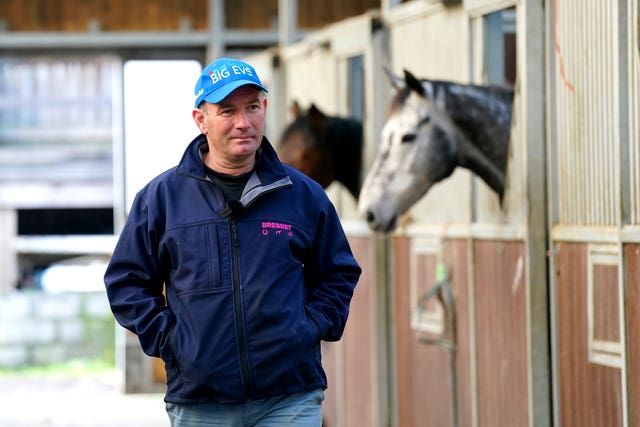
x=434 y=127
x=418 y=148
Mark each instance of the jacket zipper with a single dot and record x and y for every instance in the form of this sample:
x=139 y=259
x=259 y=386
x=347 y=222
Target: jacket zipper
x=241 y=333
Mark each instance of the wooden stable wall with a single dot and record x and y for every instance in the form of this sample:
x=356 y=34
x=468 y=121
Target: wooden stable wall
x=632 y=320
x=351 y=363
x=590 y=391
x=111 y=15
x=487 y=278
x=594 y=228
x=423 y=373
x=500 y=307
x=592 y=387
x=166 y=15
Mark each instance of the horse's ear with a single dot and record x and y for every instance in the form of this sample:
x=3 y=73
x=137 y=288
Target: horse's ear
x=396 y=81
x=413 y=83
x=316 y=117
x=294 y=109
x=314 y=110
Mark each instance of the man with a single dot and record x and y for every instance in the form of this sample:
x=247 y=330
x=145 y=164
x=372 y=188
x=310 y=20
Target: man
x=254 y=263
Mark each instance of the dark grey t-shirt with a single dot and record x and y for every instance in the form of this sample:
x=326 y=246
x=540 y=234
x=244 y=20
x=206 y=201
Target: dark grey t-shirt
x=231 y=185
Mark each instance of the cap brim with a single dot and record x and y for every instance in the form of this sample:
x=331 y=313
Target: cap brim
x=218 y=95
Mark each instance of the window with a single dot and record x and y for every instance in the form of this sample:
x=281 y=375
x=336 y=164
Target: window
x=604 y=306
x=57 y=130
x=427 y=315
x=356 y=86
x=500 y=47
x=47 y=100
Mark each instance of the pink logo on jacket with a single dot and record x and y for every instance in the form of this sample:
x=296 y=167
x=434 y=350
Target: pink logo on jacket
x=276 y=228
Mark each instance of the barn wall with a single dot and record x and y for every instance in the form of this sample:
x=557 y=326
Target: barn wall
x=590 y=391
x=594 y=171
x=588 y=144
x=501 y=333
x=313 y=78
x=423 y=371
x=633 y=52
x=632 y=259
x=351 y=363
x=489 y=288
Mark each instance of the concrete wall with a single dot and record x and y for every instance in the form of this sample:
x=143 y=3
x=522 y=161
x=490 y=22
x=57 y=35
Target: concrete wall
x=37 y=328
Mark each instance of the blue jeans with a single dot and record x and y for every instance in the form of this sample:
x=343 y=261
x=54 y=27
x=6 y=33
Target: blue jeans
x=300 y=409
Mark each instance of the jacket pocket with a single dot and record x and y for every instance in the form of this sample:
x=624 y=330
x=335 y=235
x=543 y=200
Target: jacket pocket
x=167 y=349
x=198 y=261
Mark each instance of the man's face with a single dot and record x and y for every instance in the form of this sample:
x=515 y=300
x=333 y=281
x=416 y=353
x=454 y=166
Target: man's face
x=234 y=127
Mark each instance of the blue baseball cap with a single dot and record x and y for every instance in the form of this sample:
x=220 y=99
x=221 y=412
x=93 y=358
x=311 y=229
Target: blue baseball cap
x=222 y=77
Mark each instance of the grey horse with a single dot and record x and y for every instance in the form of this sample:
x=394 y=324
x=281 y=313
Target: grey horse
x=433 y=127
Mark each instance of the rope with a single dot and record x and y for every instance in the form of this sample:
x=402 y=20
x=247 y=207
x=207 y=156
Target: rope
x=557 y=46
x=442 y=290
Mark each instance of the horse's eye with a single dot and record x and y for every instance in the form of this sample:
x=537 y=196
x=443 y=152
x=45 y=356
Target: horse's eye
x=424 y=121
x=409 y=137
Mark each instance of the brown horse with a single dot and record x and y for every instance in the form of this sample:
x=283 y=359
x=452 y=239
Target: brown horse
x=326 y=148
x=434 y=127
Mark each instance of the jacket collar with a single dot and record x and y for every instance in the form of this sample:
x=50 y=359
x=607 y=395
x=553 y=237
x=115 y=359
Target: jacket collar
x=268 y=174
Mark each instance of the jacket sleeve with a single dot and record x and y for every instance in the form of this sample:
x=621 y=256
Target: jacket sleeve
x=331 y=277
x=134 y=281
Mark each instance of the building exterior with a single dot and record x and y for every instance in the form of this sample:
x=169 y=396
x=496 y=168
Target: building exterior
x=546 y=286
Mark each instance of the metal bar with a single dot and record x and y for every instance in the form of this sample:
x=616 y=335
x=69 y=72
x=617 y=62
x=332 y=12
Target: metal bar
x=287 y=21
x=80 y=40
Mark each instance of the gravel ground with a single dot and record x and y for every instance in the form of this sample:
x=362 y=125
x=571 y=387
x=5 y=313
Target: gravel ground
x=90 y=400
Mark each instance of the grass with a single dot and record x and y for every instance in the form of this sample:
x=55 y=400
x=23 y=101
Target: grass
x=74 y=367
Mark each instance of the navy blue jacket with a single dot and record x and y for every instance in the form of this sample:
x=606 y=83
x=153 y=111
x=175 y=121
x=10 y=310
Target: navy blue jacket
x=250 y=291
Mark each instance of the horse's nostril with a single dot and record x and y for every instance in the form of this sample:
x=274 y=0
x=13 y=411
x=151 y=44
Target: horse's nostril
x=371 y=218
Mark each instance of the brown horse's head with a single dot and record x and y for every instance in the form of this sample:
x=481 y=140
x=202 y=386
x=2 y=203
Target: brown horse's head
x=323 y=147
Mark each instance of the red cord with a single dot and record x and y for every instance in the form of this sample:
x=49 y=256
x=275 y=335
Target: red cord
x=558 y=53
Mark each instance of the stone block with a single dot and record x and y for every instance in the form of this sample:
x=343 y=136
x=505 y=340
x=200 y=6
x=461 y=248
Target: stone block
x=44 y=328
x=71 y=331
x=21 y=331
x=13 y=356
x=97 y=305
x=17 y=331
x=15 y=305
x=49 y=354
x=59 y=306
